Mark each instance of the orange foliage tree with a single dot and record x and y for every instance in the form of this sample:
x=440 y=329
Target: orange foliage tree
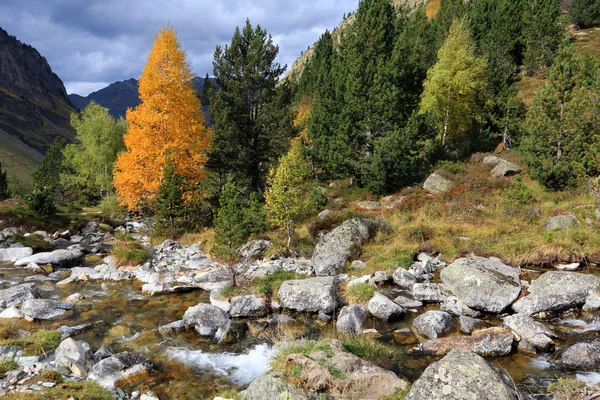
x=168 y=121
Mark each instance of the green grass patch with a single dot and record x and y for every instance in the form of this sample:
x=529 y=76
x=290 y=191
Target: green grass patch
x=368 y=349
x=228 y=394
x=37 y=343
x=569 y=388
x=127 y=252
x=360 y=293
x=51 y=375
x=86 y=390
x=399 y=394
x=271 y=283
x=36 y=242
x=7 y=365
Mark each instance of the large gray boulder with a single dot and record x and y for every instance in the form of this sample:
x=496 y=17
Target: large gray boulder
x=118 y=367
x=429 y=292
x=17 y=294
x=44 y=308
x=206 y=319
x=272 y=385
x=351 y=318
x=333 y=250
x=462 y=375
x=247 y=306
x=455 y=306
x=562 y=222
x=530 y=331
x=583 y=355
x=311 y=295
x=433 y=323
x=254 y=248
x=505 y=168
x=437 y=184
x=404 y=279
x=491 y=342
x=15 y=253
x=73 y=357
x=482 y=284
x=383 y=308
x=557 y=291
x=64 y=258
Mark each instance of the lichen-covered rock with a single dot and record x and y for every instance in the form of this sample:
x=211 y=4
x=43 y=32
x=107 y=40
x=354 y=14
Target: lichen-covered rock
x=491 y=342
x=15 y=253
x=333 y=250
x=407 y=302
x=404 y=279
x=505 y=168
x=351 y=319
x=206 y=319
x=583 y=355
x=561 y=222
x=44 y=308
x=383 y=308
x=271 y=385
x=64 y=258
x=309 y=295
x=533 y=332
x=455 y=306
x=483 y=284
x=462 y=375
x=109 y=371
x=254 y=248
x=433 y=323
x=73 y=357
x=15 y=295
x=437 y=184
x=429 y=292
x=247 y=306
x=557 y=291
x=468 y=324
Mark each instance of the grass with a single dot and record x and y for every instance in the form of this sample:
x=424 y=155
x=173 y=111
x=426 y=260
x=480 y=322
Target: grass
x=86 y=390
x=369 y=349
x=36 y=242
x=588 y=40
x=7 y=365
x=14 y=213
x=51 y=375
x=359 y=293
x=228 y=394
x=528 y=87
x=569 y=388
x=292 y=373
x=399 y=394
x=40 y=342
x=129 y=253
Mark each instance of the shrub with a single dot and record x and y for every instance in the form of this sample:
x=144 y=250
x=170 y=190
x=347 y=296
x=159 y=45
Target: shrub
x=453 y=167
x=360 y=293
x=7 y=365
x=130 y=253
x=519 y=193
x=110 y=205
x=41 y=203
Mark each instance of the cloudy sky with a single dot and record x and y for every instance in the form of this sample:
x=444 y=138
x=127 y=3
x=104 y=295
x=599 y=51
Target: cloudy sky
x=92 y=43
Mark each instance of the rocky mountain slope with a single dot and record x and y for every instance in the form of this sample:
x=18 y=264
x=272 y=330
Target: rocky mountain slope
x=120 y=96
x=34 y=107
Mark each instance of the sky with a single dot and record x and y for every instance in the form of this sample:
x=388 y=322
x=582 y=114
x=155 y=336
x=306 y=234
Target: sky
x=92 y=43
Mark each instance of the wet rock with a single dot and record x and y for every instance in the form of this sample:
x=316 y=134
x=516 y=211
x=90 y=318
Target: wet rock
x=433 y=323
x=231 y=332
x=333 y=250
x=455 y=306
x=404 y=336
x=533 y=332
x=102 y=353
x=309 y=295
x=17 y=294
x=254 y=248
x=583 y=355
x=437 y=184
x=14 y=254
x=592 y=302
x=483 y=284
x=351 y=318
x=468 y=324
x=44 y=308
x=67 y=331
x=172 y=327
x=462 y=375
x=120 y=366
x=11 y=312
x=557 y=291
x=491 y=342
x=219 y=301
x=404 y=279
x=73 y=357
x=90 y=228
x=383 y=308
x=429 y=292
x=64 y=258
x=206 y=319
x=505 y=168
x=562 y=222
x=247 y=306
x=407 y=302
x=75 y=298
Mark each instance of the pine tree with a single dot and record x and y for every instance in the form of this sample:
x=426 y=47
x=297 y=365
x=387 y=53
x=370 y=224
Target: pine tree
x=90 y=163
x=169 y=201
x=47 y=175
x=585 y=13
x=454 y=85
x=4 y=190
x=208 y=89
x=284 y=202
x=169 y=118
x=542 y=35
x=247 y=74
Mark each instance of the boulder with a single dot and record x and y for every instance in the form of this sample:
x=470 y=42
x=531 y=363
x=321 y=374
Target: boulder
x=254 y=249
x=357 y=264
x=217 y=300
x=126 y=365
x=206 y=319
x=491 y=342
x=468 y=324
x=433 y=323
x=15 y=254
x=309 y=295
x=404 y=279
x=482 y=284
x=247 y=306
x=351 y=318
x=407 y=302
x=15 y=295
x=492 y=160
x=71 y=257
x=561 y=222
x=67 y=331
x=271 y=385
x=557 y=291
x=533 y=332
x=429 y=292
x=455 y=306
x=367 y=205
x=583 y=355
x=73 y=357
x=91 y=228
x=505 y=168
x=462 y=375
x=383 y=308
x=437 y=184
x=11 y=312
x=333 y=250
x=102 y=353
x=44 y=308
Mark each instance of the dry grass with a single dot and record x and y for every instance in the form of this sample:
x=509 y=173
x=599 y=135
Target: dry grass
x=528 y=87
x=588 y=40
x=432 y=8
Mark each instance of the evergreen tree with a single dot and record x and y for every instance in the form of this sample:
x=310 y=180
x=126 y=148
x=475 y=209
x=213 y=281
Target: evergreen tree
x=169 y=201
x=247 y=74
x=452 y=91
x=208 y=89
x=47 y=175
x=542 y=35
x=555 y=129
x=4 y=190
x=585 y=13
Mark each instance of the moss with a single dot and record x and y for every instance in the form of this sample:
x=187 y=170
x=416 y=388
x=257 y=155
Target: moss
x=569 y=388
x=86 y=390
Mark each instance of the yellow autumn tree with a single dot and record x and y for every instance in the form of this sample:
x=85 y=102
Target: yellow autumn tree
x=168 y=122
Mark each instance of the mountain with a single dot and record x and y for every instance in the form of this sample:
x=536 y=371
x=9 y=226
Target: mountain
x=120 y=96
x=34 y=108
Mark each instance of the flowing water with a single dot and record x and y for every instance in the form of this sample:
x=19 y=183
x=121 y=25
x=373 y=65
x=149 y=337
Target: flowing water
x=191 y=367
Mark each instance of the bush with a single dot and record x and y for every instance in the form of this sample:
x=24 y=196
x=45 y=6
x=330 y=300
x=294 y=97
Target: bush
x=41 y=202
x=368 y=349
x=454 y=167
x=519 y=193
x=130 y=253
x=110 y=205
x=36 y=242
x=7 y=365
x=360 y=293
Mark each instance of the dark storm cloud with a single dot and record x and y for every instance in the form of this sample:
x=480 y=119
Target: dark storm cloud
x=90 y=43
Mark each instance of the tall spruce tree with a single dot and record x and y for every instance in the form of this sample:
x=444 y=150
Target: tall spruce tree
x=247 y=74
x=542 y=34
x=47 y=175
x=585 y=13
x=4 y=190
x=208 y=89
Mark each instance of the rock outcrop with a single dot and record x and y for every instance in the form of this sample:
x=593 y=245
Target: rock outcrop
x=311 y=295
x=491 y=342
x=66 y=258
